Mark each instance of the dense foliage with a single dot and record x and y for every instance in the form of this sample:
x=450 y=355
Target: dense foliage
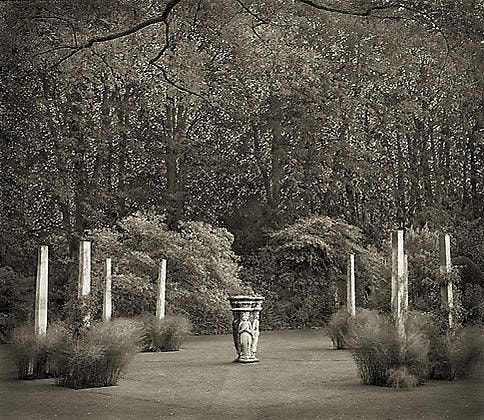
x=269 y=118
x=302 y=272
x=425 y=278
x=202 y=269
x=16 y=300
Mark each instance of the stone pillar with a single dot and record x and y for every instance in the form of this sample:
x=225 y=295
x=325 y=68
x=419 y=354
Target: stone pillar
x=84 y=284
x=446 y=291
x=160 y=301
x=41 y=291
x=107 y=305
x=405 y=286
x=399 y=282
x=245 y=326
x=350 y=287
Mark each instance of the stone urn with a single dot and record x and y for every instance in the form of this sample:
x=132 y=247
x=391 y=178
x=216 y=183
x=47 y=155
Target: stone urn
x=245 y=326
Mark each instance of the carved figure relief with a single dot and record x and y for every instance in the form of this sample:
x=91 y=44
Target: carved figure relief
x=255 y=332
x=245 y=336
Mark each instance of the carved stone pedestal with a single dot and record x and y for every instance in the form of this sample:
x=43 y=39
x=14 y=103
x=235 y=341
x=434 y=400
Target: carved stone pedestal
x=245 y=326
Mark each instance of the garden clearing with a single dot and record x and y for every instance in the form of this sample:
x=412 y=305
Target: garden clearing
x=299 y=377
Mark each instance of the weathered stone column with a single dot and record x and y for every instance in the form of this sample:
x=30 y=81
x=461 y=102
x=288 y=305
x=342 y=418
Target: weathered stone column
x=245 y=326
x=84 y=284
x=446 y=291
x=350 y=287
x=399 y=283
x=107 y=304
x=41 y=291
x=160 y=301
x=405 y=285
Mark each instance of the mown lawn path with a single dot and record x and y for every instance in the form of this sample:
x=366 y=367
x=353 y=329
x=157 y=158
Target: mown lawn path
x=299 y=377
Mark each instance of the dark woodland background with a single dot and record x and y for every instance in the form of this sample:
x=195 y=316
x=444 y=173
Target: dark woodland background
x=253 y=144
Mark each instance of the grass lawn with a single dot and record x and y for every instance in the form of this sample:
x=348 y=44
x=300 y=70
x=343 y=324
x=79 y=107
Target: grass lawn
x=299 y=377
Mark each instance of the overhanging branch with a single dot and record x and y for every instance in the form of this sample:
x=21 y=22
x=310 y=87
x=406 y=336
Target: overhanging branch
x=136 y=28
x=250 y=12
x=367 y=11
x=178 y=85
x=163 y=18
x=384 y=10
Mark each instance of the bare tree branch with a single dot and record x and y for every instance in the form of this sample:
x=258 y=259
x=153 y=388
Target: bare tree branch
x=368 y=11
x=163 y=18
x=264 y=42
x=165 y=47
x=250 y=12
x=103 y=60
x=395 y=5
x=371 y=10
x=60 y=47
x=176 y=85
x=66 y=57
x=138 y=27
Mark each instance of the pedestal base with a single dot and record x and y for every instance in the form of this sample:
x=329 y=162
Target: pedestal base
x=246 y=360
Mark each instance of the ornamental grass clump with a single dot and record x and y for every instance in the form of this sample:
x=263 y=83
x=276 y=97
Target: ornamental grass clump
x=457 y=354
x=382 y=357
x=373 y=346
x=167 y=334
x=466 y=352
x=402 y=378
x=33 y=353
x=99 y=356
x=338 y=328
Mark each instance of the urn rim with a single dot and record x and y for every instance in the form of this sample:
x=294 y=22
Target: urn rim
x=246 y=297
